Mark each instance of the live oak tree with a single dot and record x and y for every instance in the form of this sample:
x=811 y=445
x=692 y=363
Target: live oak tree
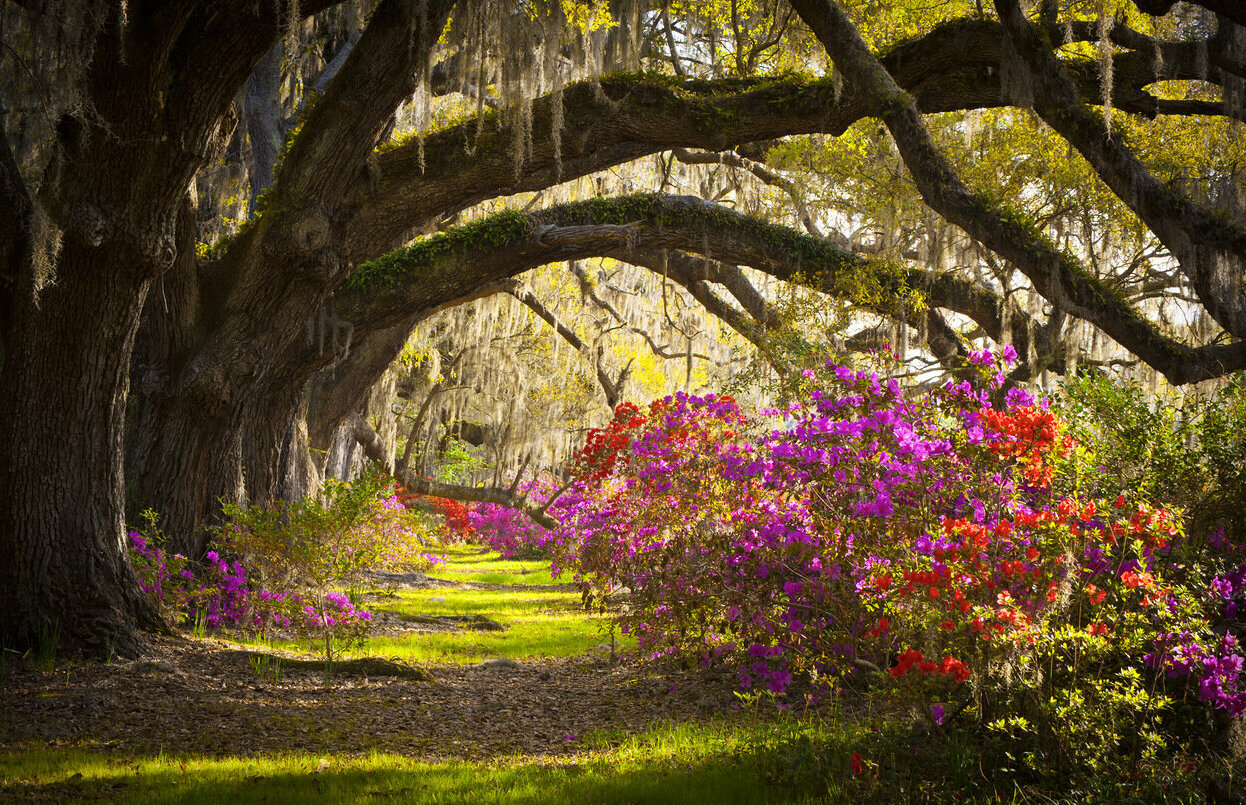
x=140 y=121
x=252 y=353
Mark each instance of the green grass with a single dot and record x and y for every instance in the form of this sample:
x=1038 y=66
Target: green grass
x=539 y=622
x=539 y=577
x=466 y=563
x=676 y=764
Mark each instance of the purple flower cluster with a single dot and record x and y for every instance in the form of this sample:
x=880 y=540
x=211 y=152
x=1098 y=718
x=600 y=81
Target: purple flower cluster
x=157 y=572
x=336 y=612
x=1216 y=668
x=227 y=594
x=506 y=530
x=221 y=597
x=869 y=522
x=1229 y=588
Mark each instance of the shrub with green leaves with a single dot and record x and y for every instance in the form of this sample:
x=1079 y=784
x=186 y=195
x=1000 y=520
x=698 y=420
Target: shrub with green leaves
x=314 y=550
x=1189 y=454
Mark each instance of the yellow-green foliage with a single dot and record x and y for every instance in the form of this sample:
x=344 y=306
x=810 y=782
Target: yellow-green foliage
x=325 y=545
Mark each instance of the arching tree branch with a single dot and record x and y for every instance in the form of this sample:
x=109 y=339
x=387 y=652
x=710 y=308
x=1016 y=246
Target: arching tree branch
x=954 y=67
x=1058 y=276
x=452 y=265
x=1210 y=248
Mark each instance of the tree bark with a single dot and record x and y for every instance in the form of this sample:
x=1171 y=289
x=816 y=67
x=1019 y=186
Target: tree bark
x=66 y=578
x=267 y=422
x=193 y=461
x=262 y=116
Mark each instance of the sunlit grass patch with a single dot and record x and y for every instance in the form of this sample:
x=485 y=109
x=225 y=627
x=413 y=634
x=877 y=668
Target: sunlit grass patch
x=525 y=576
x=552 y=637
x=688 y=763
x=466 y=563
x=537 y=624
x=498 y=604
x=468 y=554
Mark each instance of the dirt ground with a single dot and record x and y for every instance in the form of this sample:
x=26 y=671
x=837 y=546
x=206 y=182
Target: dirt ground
x=207 y=697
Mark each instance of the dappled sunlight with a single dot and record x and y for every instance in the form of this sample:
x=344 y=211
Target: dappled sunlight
x=676 y=766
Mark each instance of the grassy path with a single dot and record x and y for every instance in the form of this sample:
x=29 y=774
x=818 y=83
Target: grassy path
x=477 y=607
x=525 y=704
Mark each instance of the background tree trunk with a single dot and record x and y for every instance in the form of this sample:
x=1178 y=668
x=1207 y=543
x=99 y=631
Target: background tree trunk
x=194 y=462
x=262 y=115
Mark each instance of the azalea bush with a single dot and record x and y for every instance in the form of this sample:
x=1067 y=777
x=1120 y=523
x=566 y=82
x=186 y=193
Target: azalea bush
x=331 y=541
x=504 y=529
x=508 y=531
x=451 y=517
x=957 y=546
x=293 y=566
x=214 y=594
x=217 y=595
x=308 y=554
x=221 y=595
x=511 y=532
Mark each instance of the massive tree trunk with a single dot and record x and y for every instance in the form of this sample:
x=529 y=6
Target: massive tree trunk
x=194 y=460
x=266 y=437
x=147 y=109
x=230 y=401
x=65 y=575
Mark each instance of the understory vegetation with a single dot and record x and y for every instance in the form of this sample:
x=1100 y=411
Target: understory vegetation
x=963 y=593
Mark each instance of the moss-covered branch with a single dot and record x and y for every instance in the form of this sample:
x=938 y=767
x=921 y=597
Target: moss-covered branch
x=448 y=267
x=1210 y=248
x=954 y=67
x=451 y=267
x=1055 y=274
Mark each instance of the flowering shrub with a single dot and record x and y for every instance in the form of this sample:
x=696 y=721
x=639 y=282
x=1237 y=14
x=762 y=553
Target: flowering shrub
x=359 y=526
x=166 y=579
x=218 y=596
x=508 y=531
x=297 y=558
x=511 y=532
x=944 y=540
x=457 y=521
x=500 y=528
x=305 y=553
x=225 y=597
x=457 y=516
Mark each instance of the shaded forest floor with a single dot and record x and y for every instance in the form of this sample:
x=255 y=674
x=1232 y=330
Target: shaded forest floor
x=486 y=676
